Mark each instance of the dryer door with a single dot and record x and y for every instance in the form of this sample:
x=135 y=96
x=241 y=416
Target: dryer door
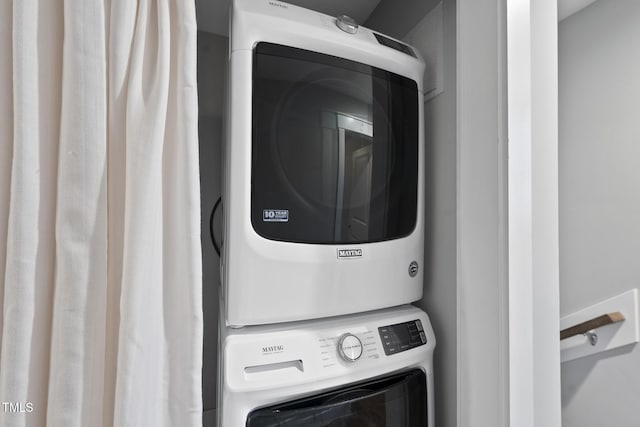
x=398 y=401
x=334 y=151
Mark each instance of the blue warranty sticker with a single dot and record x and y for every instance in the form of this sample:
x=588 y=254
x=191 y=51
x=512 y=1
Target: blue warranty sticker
x=275 y=215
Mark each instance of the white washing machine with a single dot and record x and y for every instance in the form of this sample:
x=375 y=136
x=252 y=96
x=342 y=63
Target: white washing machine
x=371 y=369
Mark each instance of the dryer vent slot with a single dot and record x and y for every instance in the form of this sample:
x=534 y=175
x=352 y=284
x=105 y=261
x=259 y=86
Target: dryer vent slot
x=271 y=367
x=400 y=47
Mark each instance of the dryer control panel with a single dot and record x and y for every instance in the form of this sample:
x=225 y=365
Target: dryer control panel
x=402 y=336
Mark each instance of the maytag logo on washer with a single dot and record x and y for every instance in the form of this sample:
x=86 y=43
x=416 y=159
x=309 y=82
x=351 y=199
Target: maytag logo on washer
x=349 y=253
x=272 y=349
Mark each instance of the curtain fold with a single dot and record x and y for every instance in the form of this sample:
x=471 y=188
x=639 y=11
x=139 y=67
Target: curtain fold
x=78 y=326
x=100 y=262
x=31 y=91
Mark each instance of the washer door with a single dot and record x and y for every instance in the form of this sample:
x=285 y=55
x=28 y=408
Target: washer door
x=398 y=401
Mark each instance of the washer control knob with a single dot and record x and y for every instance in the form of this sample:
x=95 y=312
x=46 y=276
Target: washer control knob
x=347 y=24
x=349 y=347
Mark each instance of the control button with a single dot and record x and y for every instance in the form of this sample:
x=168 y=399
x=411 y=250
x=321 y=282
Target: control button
x=419 y=325
x=423 y=337
x=347 y=24
x=349 y=347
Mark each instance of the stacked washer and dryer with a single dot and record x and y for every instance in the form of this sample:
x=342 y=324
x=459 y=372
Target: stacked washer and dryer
x=323 y=226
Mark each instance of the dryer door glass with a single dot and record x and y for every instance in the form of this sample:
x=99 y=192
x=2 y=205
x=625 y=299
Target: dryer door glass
x=397 y=401
x=334 y=149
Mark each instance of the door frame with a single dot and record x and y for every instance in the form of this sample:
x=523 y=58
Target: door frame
x=507 y=214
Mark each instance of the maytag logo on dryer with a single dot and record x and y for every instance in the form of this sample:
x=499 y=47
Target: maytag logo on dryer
x=349 y=253
x=280 y=5
x=275 y=215
x=272 y=349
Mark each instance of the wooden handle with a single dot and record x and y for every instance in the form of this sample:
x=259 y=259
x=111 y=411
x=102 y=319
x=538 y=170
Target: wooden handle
x=596 y=322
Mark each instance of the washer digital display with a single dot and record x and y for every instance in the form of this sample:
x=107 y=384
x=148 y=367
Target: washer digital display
x=402 y=336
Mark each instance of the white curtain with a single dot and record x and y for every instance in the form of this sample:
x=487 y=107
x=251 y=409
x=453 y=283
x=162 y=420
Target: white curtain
x=100 y=261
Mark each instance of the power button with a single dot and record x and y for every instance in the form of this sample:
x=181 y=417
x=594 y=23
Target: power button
x=347 y=24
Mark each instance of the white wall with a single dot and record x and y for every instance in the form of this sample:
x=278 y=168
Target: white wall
x=440 y=291
x=212 y=63
x=599 y=97
x=396 y=21
x=440 y=296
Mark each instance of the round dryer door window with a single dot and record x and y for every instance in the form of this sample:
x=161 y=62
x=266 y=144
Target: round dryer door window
x=334 y=149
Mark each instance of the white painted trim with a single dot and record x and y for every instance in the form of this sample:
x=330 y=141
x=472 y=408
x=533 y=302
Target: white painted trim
x=520 y=231
x=482 y=286
x=533 y=213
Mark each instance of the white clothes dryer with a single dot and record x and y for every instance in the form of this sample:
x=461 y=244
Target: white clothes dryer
x=367 y=369
x=324 y=167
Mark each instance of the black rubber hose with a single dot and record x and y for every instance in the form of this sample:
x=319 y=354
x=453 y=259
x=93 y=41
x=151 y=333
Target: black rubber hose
x=213 y=213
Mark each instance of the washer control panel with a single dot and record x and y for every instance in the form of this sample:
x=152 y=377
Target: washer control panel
x=402 y=336
x=339 y=349
x=349 y=347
